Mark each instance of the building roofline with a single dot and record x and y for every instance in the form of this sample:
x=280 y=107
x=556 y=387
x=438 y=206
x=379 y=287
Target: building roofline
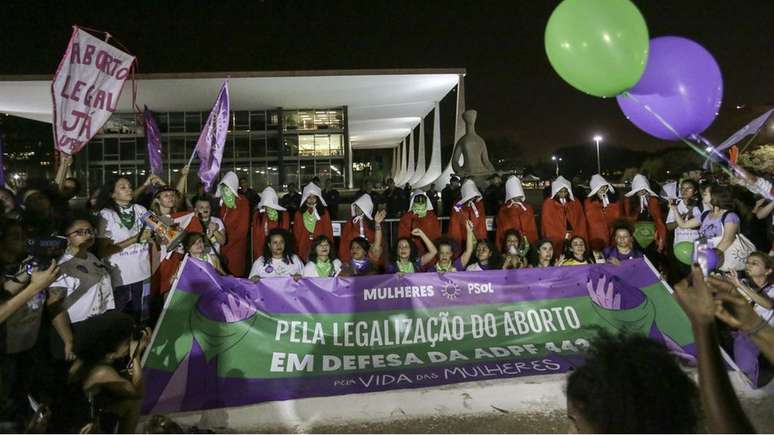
x=260 y=74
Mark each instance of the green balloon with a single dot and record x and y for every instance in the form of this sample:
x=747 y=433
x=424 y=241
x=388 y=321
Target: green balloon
x=598 y=46
x=684 y=252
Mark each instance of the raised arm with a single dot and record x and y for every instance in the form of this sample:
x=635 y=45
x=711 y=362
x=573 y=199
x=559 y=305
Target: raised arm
x=431 y=249
x=376 y=248
x=683 y=223
x=470 y=242
x=65 y=161
x=764 y=211
x=39 y=281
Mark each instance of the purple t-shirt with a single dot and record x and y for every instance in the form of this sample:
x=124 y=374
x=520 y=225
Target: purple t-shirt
x=456 y=264
x=612 y=252
x=713 y=227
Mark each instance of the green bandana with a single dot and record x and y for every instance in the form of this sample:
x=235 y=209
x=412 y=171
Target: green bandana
x=228 y=197
x=405 y=266
x=324 y=268
x=272 y=214
x=127 y=216
x=644 y=233
x=310 y=221
x=448 y=268
x=419 y=209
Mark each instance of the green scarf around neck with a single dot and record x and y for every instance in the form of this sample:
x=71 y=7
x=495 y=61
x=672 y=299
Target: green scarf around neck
x=310 y=220
x=405 y=266
x=324 y=268
x=228 y=197
x=272 y=214
x=127 y=216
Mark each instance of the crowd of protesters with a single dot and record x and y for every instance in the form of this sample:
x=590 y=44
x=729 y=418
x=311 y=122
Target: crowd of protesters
x=83 y=286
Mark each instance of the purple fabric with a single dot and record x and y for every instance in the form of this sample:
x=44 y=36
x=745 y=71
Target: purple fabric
x=612 y=252
x=212 y=139
x=713 y=227
x=153 y=139
x=347 y=294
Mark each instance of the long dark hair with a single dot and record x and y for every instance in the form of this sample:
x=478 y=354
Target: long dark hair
x=587 y=256
x=313 y=248
x=722 y=197
x=287 y=253
x=105 y=197
x=512 y=232
x=107 y=331
x=695 y=200
x=534 y=252
x=495 y=260
x=412 y=250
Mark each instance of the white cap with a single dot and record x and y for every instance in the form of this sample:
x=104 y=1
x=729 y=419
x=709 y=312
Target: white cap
x=269 y=199
x=231 y=181
x=468 y=191
x=513 y=188
x=560 y=183
x=365 y=203
x=312 y=189
x=640 y=183
x=596 y=183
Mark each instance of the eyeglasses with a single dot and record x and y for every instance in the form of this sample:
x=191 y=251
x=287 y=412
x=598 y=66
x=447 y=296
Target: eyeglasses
x=83 y=232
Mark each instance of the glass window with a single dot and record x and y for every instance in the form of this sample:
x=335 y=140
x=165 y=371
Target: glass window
x=306 y=120
x=328 y=119
x=126 y=147
x=176 y=147
x=193 y=122
x=176 y=122
x=306 y=171
x=258 y=145
x=272 y=176
x=306 y=145
x=291 y=146
x=111 y=148
x=291 y=120
x=95 y=150
x=141 y=149
x=162 y=121
x=291 y=173
x=257 y=121
x=242 y=145
x=241 y=120
x=273 y=146
x=336 y=144
x=337 y=172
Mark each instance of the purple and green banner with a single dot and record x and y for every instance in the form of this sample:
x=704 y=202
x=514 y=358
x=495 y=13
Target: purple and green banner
x=225 y=341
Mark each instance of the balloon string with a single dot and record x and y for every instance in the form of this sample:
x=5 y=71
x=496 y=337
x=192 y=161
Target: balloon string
x=663 y=121
x=734 y=171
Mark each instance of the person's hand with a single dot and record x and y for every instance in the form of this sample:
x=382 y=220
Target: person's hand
x=417 y=232
x=65 y=159
x=736 y=312
x=212 y=227
x=44 y=278
x=68 y=351
x=604 y=296
x=733 y=278
x=614 y=261
x=380 y=215
x=696 y=298
x=296 y=277
x=255 y=278
x=469 y=225
x=185 y=170
x=145 y=235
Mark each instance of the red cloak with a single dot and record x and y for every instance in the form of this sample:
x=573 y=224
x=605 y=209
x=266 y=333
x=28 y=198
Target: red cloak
x=457 y=230
x=237 y=223
x=429 y=224
x=351 y=230
x=515 y=218
x=600 y=221
x=554 y=220
x=304 y=238
x=261 y=226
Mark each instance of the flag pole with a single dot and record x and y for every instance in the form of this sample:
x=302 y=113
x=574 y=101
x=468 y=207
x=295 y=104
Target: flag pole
x=193 y=154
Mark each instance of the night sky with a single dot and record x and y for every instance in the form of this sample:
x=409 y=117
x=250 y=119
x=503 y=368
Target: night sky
x=509 y=81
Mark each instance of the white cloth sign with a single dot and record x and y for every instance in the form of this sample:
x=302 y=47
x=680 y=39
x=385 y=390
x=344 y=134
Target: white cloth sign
x=86 y=89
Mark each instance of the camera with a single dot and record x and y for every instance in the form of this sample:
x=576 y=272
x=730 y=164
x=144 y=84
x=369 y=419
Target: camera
x=43 y=250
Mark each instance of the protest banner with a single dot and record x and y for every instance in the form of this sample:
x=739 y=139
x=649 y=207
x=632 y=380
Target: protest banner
x=225 y=341
x=86 y=89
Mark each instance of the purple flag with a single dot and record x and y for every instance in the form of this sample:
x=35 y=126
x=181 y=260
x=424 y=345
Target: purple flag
x=153 y=139
x=2 y=160
x=212 y=139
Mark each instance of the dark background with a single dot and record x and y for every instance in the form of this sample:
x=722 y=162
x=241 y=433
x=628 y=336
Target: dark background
x=525 y=108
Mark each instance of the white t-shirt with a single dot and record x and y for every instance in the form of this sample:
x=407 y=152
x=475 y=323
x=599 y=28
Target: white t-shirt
x=767 y=315
x=310 y=270
x=87 y=285
x=276 y=268
x=475 y=267
x=131 y=265
x=684 y=234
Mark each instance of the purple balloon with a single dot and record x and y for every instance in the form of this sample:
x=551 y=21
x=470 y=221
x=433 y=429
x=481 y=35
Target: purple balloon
x=681 y=83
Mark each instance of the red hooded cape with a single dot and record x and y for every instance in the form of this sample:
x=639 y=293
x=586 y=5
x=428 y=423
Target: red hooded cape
x=429 y=224
x=515 y=218
x=237 y=223
x=654 y=208
x=304 y=238
x=259 y=230
x=600 y=221
x=554 y=220
x=457 y=230
x=351 y=230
